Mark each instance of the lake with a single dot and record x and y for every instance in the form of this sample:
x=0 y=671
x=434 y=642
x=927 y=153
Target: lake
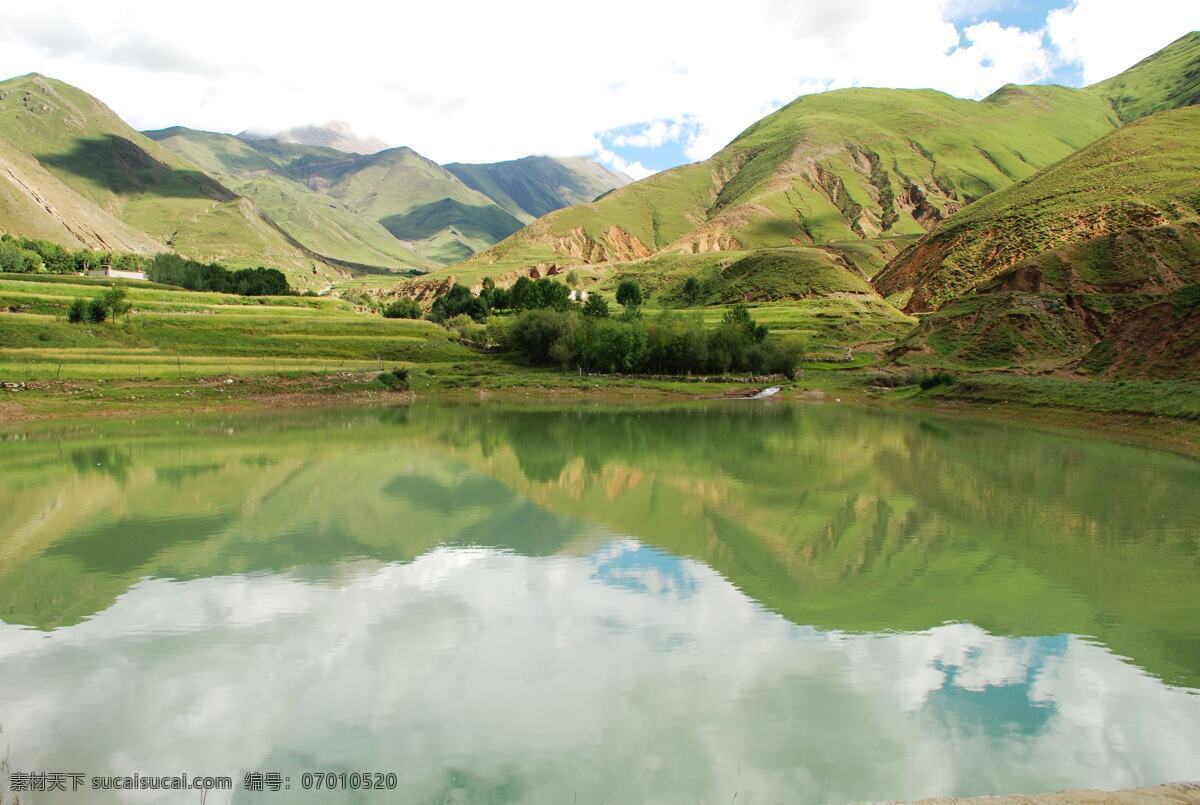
x=750 y=602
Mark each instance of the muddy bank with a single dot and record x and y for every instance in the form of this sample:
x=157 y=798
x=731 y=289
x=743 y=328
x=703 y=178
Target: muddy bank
x=1161 y=794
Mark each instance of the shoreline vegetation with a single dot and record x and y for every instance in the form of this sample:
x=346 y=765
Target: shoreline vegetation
x=173 y=351
x=75 y=401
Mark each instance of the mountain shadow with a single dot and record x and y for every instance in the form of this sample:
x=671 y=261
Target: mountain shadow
x=125 y=168
x=490 y=222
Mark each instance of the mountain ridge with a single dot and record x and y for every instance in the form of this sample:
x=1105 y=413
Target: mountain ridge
x=851 y=164
x=392 y=209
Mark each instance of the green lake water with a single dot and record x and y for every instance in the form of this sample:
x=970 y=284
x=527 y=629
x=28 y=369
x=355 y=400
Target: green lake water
x=721 y=603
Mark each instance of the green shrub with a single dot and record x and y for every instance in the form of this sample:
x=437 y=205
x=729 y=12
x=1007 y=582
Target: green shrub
x=935 y=379
x=403 y=309
x=458 y=301
x=97 y=311
x=116 y=301
x=468 y=330
x=535 y=332
x=605 y=345
x=78 y=311
x=596 y=307
x=527 y=294
x=667 y=344
x=12 y=259
x=396 y=380
x=629 y=293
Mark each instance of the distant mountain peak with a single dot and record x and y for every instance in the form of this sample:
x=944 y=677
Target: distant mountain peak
x=331 y=134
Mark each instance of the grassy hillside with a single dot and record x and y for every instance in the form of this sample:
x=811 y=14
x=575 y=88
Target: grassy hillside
x=1145 y=174
x=150 y=189
x=37 y=204
x=529 y=188
x=415 y=199
x=1170 y=79
x=392 y=208
x=1122 y=304
x=837 y=166
x=266 y=172
x=183 y=334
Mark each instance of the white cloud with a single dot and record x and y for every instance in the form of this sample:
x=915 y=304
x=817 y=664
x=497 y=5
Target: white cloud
x=631 y=168
x=472 y=80
x=1106 y=38
x=537 y=672
x=652 y=135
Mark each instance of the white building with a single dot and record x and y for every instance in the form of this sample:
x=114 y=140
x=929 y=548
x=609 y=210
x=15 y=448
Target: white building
x=117 y=274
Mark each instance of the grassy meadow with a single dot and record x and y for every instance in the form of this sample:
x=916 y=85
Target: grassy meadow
x=184 y=334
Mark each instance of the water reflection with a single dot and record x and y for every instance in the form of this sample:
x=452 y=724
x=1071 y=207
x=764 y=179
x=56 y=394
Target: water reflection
x=789 y=604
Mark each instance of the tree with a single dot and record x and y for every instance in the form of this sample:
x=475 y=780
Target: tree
x=405 y=308
x=258 y=282
x=691 y=290
x=97 y=311
x=520 y=295
x=116 y=301
x=33 y=261
x=573 y=279
x=552 y=294
x=534 y=333
x=629 y=294
x=171 y=269
x=11 y=258
x=77 y=312
x=738 y=317
x=613 y=346
x=596 y=307
x=458 y=300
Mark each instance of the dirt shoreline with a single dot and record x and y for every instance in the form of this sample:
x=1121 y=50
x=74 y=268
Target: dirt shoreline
x=83 y=401
x=1170 y=794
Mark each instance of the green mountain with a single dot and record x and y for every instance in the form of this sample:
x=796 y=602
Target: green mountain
x=391 y=208
x=1145 y=174
x=36 y=203
x=1170 y=79
x=416 y=200
x=855 y=164
x=104 y=184
x=271 y=173
x=1092 y=264
x=531 y=187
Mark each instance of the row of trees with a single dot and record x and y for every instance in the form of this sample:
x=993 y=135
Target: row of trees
x=171 y=269
x=525 y=294
x=551 y=329
x=33 y=256
x=667 y=344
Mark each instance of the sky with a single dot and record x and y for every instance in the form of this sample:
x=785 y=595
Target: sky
x=639 y=86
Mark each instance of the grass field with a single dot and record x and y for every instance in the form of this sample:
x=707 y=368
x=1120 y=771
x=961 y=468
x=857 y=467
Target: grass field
x=174 y=334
